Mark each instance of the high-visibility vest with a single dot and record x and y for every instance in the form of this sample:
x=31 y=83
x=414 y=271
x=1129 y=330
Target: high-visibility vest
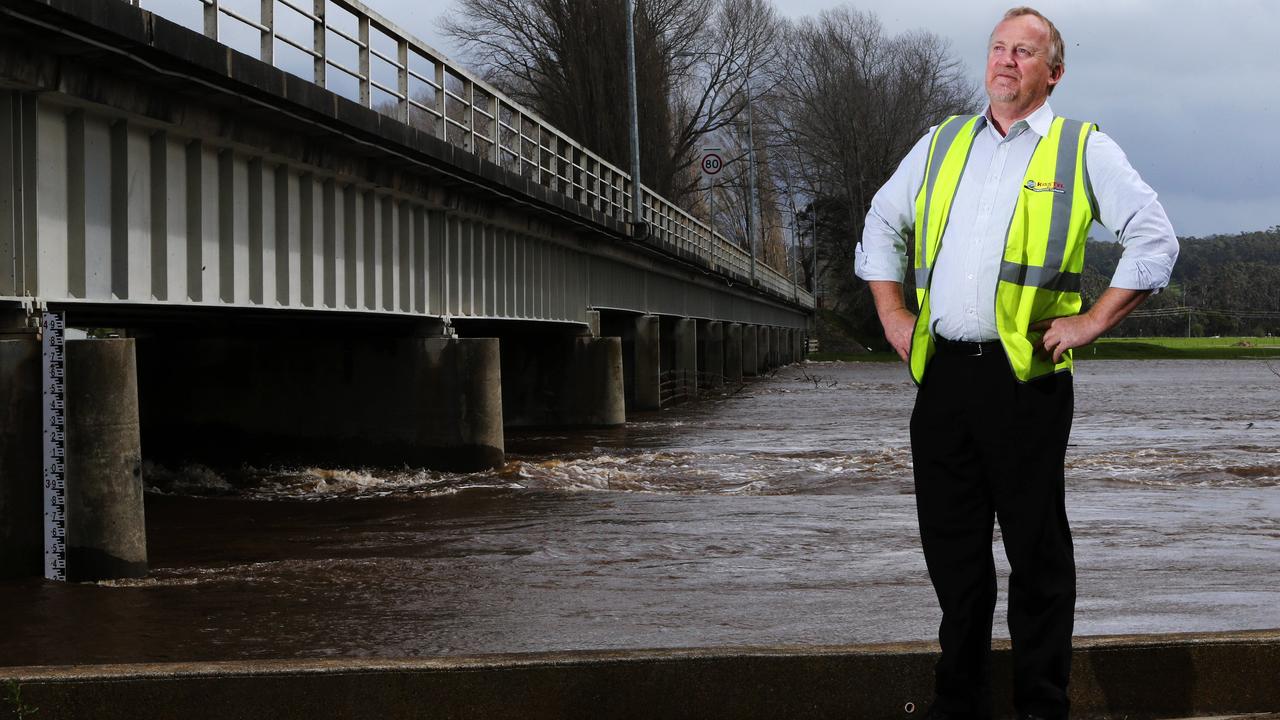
x=1043 y=252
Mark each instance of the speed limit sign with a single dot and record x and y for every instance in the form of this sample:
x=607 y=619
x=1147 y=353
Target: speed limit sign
x=712 y=163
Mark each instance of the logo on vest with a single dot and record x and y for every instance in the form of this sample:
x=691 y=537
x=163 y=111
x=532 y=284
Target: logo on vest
x=1042 y=186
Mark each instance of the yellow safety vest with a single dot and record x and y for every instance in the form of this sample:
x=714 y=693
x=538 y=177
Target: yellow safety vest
x=1043 y=252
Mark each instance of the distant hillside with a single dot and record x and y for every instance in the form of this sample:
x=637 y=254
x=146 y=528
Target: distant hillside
x=1227 y=284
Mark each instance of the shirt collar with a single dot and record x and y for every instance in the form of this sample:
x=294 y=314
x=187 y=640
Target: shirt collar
x=1039 y=121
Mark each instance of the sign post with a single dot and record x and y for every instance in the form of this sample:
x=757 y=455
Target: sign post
x=711 y=163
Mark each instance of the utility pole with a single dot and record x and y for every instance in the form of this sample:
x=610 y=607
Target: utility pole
x=754 y=209
x=1185 y=301
x=637 y=214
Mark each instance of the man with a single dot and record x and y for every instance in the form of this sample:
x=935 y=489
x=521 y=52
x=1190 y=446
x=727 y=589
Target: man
x=1000 y=207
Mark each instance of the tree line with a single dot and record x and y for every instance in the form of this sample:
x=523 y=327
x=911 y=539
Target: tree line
x=1222 y=285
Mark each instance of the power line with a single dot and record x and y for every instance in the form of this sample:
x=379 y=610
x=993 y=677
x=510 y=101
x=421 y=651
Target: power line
x=1184 y=310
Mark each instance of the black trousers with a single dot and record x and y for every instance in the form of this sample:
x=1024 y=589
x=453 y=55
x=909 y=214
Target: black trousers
x=986 y=447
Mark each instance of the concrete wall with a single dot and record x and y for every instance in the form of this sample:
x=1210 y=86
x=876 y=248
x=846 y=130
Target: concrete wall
x=1133 y=677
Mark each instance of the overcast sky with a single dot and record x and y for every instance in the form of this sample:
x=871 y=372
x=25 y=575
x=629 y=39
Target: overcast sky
x=1187 y=87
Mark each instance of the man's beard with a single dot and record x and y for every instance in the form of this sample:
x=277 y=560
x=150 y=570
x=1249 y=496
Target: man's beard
x=1002 y=95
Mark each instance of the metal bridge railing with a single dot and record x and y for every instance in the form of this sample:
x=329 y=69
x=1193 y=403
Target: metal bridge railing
x=399 y=75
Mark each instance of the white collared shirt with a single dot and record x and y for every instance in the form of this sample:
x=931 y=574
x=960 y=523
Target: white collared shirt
x=967 y=270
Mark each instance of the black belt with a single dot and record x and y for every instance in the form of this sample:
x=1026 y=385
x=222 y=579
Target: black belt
x=965 y=348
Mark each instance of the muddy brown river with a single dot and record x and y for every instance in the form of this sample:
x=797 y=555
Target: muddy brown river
x=777 y=513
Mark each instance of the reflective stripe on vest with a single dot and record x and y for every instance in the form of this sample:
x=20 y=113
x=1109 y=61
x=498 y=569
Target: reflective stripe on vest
x=1044 y=248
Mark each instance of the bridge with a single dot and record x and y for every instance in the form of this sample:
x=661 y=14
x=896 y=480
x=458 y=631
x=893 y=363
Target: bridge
x=328 y=243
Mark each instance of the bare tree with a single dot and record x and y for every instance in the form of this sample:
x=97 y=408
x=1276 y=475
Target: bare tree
x=565 y=59
x=845 y=105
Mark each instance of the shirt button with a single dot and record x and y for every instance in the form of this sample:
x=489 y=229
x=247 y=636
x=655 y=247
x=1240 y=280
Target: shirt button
x=969 y=276
x=971 y=311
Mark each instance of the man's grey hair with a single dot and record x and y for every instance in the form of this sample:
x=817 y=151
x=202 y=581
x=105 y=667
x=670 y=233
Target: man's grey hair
x=1057 y=49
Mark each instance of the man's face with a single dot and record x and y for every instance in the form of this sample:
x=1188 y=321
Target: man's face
x=1018 y=59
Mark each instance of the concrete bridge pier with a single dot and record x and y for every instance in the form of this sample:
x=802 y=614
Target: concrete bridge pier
x=431 y=402
x=750 y=350
x=567 y=381
x=646 y=372
x=106 y=528
x=686 y=357
x=711 y=355
x=733 y=353
x=106 y=535
x=764 y=341
x=21 y=503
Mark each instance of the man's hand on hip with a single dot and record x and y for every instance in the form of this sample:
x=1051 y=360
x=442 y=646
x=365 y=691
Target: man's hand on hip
x=1064 y=333
x=899 y=326
x=899 y=322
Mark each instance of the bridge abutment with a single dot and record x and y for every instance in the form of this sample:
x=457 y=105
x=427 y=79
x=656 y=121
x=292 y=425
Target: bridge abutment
x=424 y=402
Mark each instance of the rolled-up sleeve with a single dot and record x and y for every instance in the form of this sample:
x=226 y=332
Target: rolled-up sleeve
x=1128 y=207
x=882 y=252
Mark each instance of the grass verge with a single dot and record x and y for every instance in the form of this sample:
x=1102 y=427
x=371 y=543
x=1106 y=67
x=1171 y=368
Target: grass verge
x=1172 y=348
x=1176 y=348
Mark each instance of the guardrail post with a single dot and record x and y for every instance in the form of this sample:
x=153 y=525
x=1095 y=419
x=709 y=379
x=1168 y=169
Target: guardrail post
x=365 y=94
x=317 y=43
x=495 y=109
x=470 y=116
x=266 y=18
x=442 y=102
x=211 y=19
x=402 y=80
